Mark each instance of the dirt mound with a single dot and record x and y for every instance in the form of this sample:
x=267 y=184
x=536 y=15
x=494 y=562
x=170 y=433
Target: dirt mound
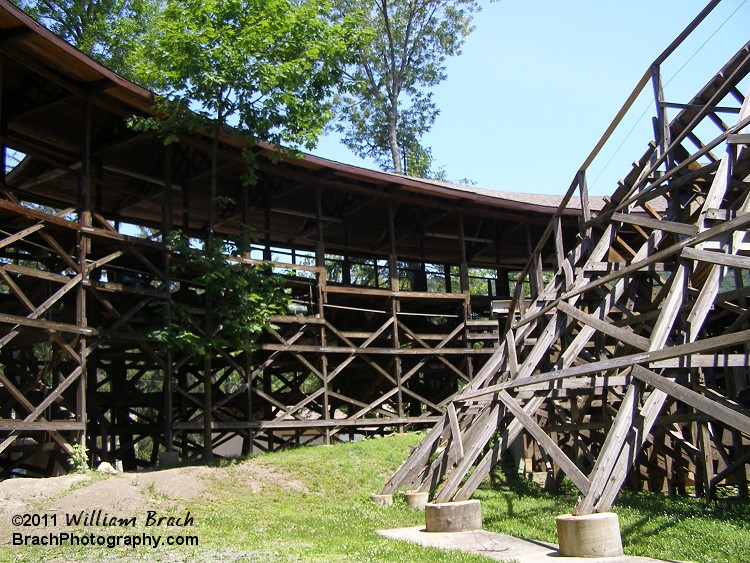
x=128 y=494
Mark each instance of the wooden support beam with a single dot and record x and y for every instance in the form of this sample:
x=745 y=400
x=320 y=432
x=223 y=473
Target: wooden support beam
x=455 y=432
x=549 y=445
x=731 y=417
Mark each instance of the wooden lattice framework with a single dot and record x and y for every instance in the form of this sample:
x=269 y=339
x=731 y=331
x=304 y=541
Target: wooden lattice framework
x=80 y=299
x=631 y=366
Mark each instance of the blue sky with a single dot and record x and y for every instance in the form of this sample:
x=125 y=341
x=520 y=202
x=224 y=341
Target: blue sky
x=538 y=83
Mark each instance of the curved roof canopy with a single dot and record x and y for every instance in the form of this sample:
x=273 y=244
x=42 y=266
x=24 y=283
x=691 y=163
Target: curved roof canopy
x=69 y=114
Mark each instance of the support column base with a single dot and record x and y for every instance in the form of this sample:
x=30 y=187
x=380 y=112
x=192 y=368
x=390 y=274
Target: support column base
x=589 y=535
x=383 y=500
x=461 y=516
x=416 y=500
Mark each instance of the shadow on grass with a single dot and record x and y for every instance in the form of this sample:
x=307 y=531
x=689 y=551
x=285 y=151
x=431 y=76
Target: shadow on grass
x=652 y=524
x=652 y=514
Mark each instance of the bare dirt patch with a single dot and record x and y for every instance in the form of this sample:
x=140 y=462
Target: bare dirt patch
x=131 y=494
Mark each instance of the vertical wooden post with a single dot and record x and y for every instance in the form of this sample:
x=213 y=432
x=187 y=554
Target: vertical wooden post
x=464 y=267
x=324 y=372
x=662 y=137
x=320 y=261
x=267 y=247
x=393 y=267
x=84 y=218
x=249 y=445
x=185 y=208
x=3 y=148
x=208 y=450
x=167 y=218
x=392 y=258
x=502 y=284
x=585 y=205
x=320 y=255
x=535 y=273
x=466 y=290
x=395 y=305
x=662 y=124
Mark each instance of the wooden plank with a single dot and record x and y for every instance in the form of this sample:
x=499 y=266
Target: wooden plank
x=730 y=260
x=609 y=267
x=41 y=425
x=613 y=444
x=636 y=439
x=375 y=351
x=704 y=361
x=194 y=425
x=20 y=234
x=722 y=413
x=662 y=225
x=722 y=214
x=669 y=308
x=39 y=274
x=552 y=449
x=46 y=325
x=605 y=327
x=455 y=432
x=510 y=343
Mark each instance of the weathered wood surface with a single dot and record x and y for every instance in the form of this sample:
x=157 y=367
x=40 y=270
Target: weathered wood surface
x=646 y=317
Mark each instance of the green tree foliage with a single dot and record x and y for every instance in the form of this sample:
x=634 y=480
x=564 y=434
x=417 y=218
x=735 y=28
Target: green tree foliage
x=387 y=106
x=266 y=67
x=108 y=30
x=239 y=299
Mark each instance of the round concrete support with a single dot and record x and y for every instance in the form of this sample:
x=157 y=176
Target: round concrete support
x=383 y=500
x=416 y=500
x=589 y=535
x=459 y=516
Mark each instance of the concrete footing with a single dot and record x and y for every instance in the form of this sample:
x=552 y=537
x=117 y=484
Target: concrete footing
x=383 y=500
x=169 y=458
x=589 y=535
x=461 y=516
x=416 y=500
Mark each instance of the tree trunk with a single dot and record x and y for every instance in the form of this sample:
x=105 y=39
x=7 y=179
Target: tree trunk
x=393 y=142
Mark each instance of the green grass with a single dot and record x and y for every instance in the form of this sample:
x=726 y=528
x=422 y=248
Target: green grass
x=333 y=520
x=316 y=507
x=651 y=525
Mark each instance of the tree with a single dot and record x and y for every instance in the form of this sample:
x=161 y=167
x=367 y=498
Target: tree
x=108 y=30
x=386 y=106
x=266 y=67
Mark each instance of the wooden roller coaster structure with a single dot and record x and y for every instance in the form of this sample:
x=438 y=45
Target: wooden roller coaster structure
x=391 y=280
x=631 y=365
